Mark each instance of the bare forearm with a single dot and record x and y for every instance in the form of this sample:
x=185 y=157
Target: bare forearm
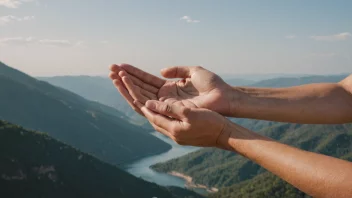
x=328 y=103
x=317 y=175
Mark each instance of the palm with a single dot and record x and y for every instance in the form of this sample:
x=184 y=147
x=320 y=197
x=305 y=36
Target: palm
x=203 y=90
x=198 y=87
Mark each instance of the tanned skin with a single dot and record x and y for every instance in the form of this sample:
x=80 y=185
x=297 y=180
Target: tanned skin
x=191 y=112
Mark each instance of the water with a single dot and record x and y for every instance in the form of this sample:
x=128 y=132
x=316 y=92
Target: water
x=141 y=168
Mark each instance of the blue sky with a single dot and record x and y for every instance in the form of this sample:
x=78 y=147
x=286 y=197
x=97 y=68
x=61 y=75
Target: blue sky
x=72 y=37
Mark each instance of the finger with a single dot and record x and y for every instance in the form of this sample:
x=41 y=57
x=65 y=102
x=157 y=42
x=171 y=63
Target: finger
x=126 y=95
x=174 y=111
x=147 y=94
x=143 y=76
x=133 y=90
x=115 y=68
x=159 y=120
x=179 y=71
x=162 y=131
x=159 y=129
x=139 y=83
x=114 y=76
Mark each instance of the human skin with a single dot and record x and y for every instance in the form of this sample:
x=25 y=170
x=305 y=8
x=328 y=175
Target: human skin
x=186 y=112
x=315 y=174
x=321 y=103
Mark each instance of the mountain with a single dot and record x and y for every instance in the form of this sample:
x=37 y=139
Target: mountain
x=236 y=176
x=262 y=77
x=89 y=126
x=97 y=89
x=261 y=186
x=32 y=164
x=238 y=81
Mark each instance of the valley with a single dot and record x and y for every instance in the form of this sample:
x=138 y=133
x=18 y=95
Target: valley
x=91 y=116
x=92 y=127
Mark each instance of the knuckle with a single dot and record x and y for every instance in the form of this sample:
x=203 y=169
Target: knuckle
x=168 y=108
x=165 y=108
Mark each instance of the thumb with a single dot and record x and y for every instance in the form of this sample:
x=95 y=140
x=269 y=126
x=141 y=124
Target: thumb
x=178 y=72
x=175 y=111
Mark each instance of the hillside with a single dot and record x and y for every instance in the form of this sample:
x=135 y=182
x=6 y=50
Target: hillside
x=262 y=186
x=89 y=126
x=95 y=88
x=32 y=164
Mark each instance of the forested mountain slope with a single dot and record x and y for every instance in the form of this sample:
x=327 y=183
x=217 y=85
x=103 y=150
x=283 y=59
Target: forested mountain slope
x=89 y=126
x=32 y=164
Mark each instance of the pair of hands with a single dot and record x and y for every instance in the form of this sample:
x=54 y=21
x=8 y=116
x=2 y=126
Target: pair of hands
x=185 y=110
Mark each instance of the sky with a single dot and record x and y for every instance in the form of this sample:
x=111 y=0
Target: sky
x=84 y=37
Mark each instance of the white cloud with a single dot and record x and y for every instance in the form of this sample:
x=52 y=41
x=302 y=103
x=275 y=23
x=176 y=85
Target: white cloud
x=31 y=40
x=290 y=36
x=10 y=3
x=55 y=42
x=13 y=3
x=17 y=40
x=9 y=18
x=189 y=19
x=79 y=43
x=335 y=37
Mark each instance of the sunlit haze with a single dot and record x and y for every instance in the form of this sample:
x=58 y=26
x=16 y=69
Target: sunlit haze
x=51 y=37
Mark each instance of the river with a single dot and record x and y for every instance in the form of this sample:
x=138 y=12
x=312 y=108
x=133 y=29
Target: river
x=141 y=168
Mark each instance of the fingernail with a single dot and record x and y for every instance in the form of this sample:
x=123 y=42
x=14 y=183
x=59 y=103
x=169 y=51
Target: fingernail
x=150 y=105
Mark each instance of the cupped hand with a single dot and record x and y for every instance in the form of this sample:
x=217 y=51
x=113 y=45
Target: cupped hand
x=186 y=126
x=198 y=87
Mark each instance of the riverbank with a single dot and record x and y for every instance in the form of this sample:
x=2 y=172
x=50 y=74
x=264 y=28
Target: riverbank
x=190 y=184
x=124 y=165
x=141 y=168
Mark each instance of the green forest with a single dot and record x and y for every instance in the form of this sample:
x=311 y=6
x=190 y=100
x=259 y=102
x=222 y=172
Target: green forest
x=32 y=164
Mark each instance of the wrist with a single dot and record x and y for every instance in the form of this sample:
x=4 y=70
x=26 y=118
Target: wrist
x=238 y=139
x=223 y=141
x=235 y=97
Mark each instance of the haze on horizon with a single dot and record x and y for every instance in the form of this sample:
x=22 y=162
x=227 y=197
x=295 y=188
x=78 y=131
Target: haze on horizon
x=83 y=37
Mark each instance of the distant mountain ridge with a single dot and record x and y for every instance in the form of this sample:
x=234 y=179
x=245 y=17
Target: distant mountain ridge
x=89 y=126
x=296 y=81
x=32 y=165
x=95 y=88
